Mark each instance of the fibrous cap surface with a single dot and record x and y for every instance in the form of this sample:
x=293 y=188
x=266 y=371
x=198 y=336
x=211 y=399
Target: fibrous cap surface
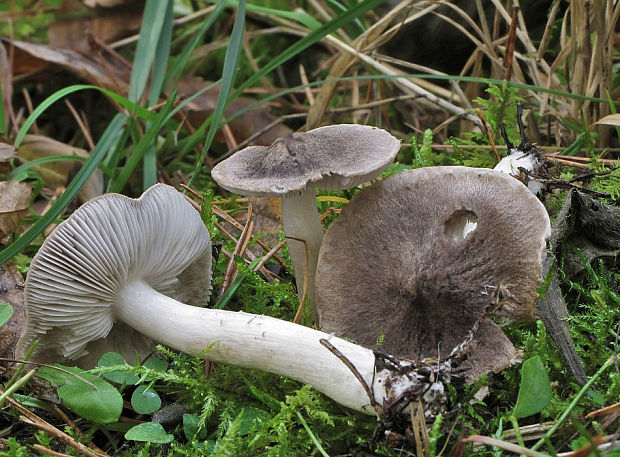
x=334 y=157
x=416 y=259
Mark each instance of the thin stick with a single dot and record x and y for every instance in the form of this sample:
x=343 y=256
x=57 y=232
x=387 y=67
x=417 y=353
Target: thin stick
x=47 y=451
x=81 y=124
x=218 y=212
x=231 y=263
x=32 y=419
x=510 y=46
x=304 y=81
x=28 y=362
x=267 y=256
x=488 y=133
x=343 y=358
x=269 y=275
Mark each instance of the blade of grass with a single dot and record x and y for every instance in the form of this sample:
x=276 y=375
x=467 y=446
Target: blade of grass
x=301 y=17
x=228 y=76
x=155 y=13
x=15 y=174
x=69 y=90
x=105 y=142
x=138 y=151
x=181 y=62
x=584 y=390
x=310 y=39
x=162 y=51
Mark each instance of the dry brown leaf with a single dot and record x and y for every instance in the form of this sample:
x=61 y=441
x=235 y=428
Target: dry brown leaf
x=75 y=31
x=59 y=173
x=7 y=152
x=14 y=202
x=31 y=57
x=244 y=126
x=610 y=119
x=12 y=292
x=267 y=216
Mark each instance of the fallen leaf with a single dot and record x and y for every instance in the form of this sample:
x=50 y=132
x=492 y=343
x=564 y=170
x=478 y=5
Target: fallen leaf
x=7 y=152
x=11 y=292
x=31 y=57
x=75 y=30
x=253 y=121
x=59 y=173
x=14 y=203
x=610 y=119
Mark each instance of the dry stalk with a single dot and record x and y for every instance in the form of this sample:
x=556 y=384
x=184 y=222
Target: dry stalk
x=31 y=418
x=343 y=63
x=231 y=267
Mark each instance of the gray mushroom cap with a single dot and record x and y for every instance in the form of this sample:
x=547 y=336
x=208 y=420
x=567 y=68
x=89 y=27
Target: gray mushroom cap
x=334 y=157
x=74 y=280
x=417 y=258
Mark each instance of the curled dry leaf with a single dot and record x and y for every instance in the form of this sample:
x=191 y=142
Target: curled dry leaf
x=14 y=202
x=11 y=292
x=35 y=57
x=611 y=119
x=59 y=173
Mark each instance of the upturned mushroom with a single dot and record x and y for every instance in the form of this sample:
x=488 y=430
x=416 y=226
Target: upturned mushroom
x=119 y=262
x=334 y=157
x=107 y=260
x=417 y=259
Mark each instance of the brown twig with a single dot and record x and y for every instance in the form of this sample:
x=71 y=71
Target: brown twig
x=269 y=254
x=81 y=124
x=343 y=358
x=510 y=45
x=487 y=131
x=218 y=212
x=47 y=451
x=31 y=418
x=231 y=267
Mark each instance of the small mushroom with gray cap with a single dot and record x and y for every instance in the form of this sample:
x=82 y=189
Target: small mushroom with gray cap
x=120 y=261
x=418 y=258
x=334 y=157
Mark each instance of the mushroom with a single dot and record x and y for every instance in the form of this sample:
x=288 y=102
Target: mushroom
x=85 y=273
x=119 y=262
x=335 y=157
x=417 y=259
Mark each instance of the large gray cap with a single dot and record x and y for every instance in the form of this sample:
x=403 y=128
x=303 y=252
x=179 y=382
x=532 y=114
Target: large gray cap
x=416 y=260
x=73 y=280
x=334 y=157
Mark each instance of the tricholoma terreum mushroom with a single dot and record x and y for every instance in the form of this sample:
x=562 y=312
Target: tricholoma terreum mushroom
x=417 y=259
x=335 y=157
x=119 y=261
x=97 y=273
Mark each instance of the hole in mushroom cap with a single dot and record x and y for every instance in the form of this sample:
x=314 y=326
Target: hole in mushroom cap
x=460 y=224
